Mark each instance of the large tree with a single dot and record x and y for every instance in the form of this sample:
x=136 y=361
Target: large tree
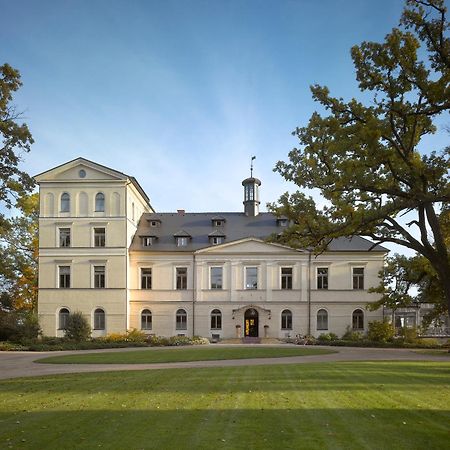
x=15 y=140
x=365 y=159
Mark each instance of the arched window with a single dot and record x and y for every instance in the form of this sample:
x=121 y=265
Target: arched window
x=358 y=320
x=216 y=320
x=181 y=320
x=63 y=317
x=100 y=202
x=286 y=320
x=65 y=202
x=322 y=319
x=99 y=319
x=146 y=320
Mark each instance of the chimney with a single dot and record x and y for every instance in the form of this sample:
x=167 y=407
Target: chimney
x=181 y=211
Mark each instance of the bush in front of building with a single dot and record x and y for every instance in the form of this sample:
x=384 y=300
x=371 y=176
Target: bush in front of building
x=133 y=335
x=380 y=331
x=77 y=327
x=16 y=326
x=352 y=335
x=408 y=335
x=327 y=337
x=162 y=341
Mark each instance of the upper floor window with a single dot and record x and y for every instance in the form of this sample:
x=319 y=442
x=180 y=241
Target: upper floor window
x=181 y=320
x=216 y=277
x=99 y=237
x=358 y=278
x=251 y=278
x=65 y=202
x=218 y=222
x=358 y=320
x=282 y=222
x=154 y=223
x=322 y=319
x=99 y=319
x=216 y=240
x=322 y=278
x=286 y=278
x=146 y=278
x=63 y=318
x=64 y=237
x=286 y=320
x=146 y=320
x=216 y=320
x=182 y=241
x=99 y=277
x=147 y=241
x=181 y=278
x=100 y=202
x=64 y=276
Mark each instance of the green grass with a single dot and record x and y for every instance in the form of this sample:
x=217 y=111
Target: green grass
x=444 y=352
x=159 y=355
x=357 y=405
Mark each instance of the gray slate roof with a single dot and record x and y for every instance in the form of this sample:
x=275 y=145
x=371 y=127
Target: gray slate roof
x=237 y=226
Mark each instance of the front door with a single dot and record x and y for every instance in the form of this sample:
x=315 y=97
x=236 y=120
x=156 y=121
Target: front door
x=251 y=323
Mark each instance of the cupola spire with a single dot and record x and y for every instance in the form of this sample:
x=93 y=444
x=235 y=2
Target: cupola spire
x=251 y=193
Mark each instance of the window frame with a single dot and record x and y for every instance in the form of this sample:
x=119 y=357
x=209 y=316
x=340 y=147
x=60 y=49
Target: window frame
x=286 y=319
x=211 y=284
x=99 y=319
x=66 y=282
x=215 y=319
x=97 y=200
x=146 y=277
x=63 y=317
x=181 y=279
x=323 y=314
x=181 y=319
x=322 y=277
x=60 y=239
x=147 y=241
x=94 y=279
x=254 y=286
x=146 y=313
x=182 y=241
x=286 y=280
x=358 y=317
x=96 y=236
x=358 y=278
x=64 y=200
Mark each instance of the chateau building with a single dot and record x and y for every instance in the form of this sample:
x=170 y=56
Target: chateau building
x=104 y=251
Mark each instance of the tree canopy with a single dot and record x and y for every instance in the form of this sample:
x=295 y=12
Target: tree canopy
x=365 y=159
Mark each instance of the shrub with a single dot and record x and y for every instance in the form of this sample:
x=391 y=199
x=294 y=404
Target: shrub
x=381 y=331
x=408 y=335
x=351 y=335
x=17 y=325
x=77 y=328
x=158 y=341
x=198 y=340
x=328 y=337
x=136 y=336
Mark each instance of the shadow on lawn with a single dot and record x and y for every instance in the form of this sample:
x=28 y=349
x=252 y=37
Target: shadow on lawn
x=231 y=428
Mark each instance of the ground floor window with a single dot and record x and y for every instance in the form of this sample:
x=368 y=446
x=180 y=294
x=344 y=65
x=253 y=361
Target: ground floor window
x=99 y=319
x=286 y=320
x=181 y=320
x=63 y=317
x=358 y=320
x=216 y=320
x=322 y=319
x=146 y=320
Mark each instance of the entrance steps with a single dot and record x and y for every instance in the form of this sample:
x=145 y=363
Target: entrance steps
x=251 y=340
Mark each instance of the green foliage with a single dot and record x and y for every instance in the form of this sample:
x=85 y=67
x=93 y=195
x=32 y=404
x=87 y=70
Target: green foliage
x=365 y=160
x=409 y=335
x=78 y=328
x=16 y=326
x=351 y=335
x=130 y=336
x=161 y=341
x=380 y=331
x=327 y=337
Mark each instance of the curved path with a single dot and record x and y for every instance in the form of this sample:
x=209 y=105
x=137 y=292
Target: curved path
x=22 y=364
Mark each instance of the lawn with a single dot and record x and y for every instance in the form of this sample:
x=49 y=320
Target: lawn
x=162 y=355
x=357 y=405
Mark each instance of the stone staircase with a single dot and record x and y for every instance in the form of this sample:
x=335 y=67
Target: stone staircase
x=251 y=340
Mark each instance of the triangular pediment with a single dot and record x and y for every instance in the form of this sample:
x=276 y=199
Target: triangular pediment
x=80 y=169
x=249 y=246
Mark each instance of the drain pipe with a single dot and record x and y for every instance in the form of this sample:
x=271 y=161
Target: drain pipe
x=309 y=293
x=194 y=290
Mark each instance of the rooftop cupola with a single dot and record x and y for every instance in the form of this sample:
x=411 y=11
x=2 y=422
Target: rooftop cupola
x=251 y=193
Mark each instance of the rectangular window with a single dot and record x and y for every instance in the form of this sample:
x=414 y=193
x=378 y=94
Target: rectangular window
x=147 y=241
x=286 y=278
x=99 y=237
x=64 y=237
x=322 y=278
x=216 y=277
x=251 y=278
x=146 y=278
x=358 y=278
x=99 y=277
x=216 y=240
x=181 y=278
x=64 y=277
x=182 y=241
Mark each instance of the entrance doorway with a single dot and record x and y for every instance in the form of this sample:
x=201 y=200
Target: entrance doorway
x=251 y=323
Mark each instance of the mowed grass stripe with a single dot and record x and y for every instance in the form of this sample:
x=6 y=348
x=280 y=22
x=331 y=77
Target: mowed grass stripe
x=158 y=355
x=373 y=405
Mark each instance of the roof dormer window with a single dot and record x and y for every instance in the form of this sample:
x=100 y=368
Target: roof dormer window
x=154 y=223
x=216 y=240
x=218 y=221
x=282 y=222
x=182 y=241
x=148 y=241
x=216 y=237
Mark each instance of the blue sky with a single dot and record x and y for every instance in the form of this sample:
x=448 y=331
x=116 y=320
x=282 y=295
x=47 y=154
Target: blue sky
x=180 y=93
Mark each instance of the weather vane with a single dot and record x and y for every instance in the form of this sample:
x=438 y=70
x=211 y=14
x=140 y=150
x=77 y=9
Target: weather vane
x=251 y=166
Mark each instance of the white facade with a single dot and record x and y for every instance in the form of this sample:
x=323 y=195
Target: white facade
x=224 y=289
